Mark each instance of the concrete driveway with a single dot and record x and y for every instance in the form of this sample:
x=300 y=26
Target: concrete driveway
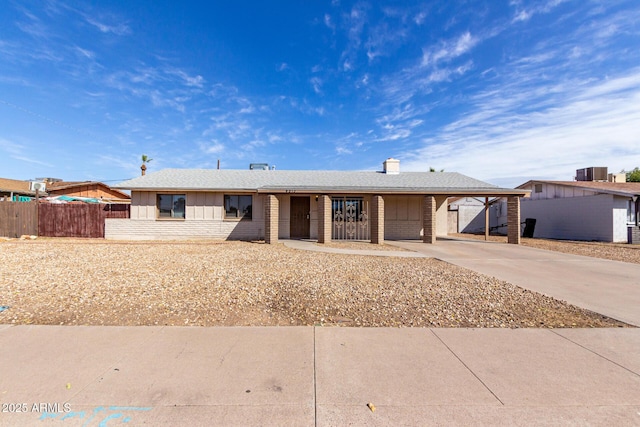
x=607 y=287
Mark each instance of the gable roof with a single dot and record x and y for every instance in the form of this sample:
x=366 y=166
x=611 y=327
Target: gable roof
x=70 y=185
x=329 y=182
x=15 y=186
x=625 y=189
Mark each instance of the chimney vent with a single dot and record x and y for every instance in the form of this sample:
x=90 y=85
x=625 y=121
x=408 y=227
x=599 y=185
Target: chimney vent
x=391 y=166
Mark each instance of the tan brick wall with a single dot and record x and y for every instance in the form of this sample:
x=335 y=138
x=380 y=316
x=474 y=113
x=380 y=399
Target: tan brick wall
x=377 y=220
x=324 y=219
x=429 y=219
x=271 y=211
x=131 y=229
x=513 y=220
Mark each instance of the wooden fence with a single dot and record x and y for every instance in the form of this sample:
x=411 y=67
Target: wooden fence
x=57 y=220
x=18 y=218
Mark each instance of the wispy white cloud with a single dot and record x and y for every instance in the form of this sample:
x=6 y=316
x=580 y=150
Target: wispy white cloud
x=193 y=81
x=587 y=124
x=34 y=27
x=128 y=161
x=85 y=52
x=212 y=147
x=11 y=147
x=316 y=83
x=353 y=22
x=118 y=28
x=32 y=160
x=524 y=13
x=395 y=134
x=328 y=21
x=447 y=50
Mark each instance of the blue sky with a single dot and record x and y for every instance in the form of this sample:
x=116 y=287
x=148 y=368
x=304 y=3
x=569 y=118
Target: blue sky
x=503 y=91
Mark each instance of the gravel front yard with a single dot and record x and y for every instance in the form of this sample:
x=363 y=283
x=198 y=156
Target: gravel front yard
x=96 y=282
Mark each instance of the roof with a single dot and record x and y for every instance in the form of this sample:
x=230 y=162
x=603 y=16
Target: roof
x=16 y=186
x=65 y=185
x=626 y=189
x=60 y=185
x=329 y=182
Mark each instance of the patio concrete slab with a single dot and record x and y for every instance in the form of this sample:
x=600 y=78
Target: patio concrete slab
x=611 y=288
x=537 y=367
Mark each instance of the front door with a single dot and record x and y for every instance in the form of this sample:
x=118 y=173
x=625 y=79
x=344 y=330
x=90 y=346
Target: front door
x=300 y=214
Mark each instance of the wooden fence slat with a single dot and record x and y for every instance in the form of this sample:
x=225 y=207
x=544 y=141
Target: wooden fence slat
x=18 y=218
x=57 y=220
x=71 y=220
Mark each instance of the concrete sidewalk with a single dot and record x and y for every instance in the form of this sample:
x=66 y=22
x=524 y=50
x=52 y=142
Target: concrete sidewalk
x=307 y=376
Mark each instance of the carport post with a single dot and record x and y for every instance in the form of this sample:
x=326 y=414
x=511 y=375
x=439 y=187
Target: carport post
x=324 y=219
x=486 y=218
x=271 y=213
x=513 y=220
x=429 y=220
x=377 y=220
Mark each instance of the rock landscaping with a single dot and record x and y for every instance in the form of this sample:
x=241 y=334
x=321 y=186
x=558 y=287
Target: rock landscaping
x=215 y=283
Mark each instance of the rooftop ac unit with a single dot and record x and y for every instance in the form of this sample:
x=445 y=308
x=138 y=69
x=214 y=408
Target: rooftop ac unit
x=37 y=186
x=592 y=174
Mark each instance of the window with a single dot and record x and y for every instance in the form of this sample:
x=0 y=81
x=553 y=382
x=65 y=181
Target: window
x=171 y=205
x=237 y=206
x=538 y=188
x=631 y=212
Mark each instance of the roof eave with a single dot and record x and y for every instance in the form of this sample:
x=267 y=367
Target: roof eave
x=351 y=190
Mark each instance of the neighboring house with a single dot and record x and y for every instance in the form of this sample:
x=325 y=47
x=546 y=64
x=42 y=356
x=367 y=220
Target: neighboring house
x=582 y=210
x=88 y=189
x=322 y=205
x=13 y=189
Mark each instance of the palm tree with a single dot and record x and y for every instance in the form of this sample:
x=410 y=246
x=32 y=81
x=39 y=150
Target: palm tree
x=145 y=160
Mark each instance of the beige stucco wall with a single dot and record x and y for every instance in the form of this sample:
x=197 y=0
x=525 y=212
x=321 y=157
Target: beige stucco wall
x=402 y=217
x=199 y=205
x=204 y=218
